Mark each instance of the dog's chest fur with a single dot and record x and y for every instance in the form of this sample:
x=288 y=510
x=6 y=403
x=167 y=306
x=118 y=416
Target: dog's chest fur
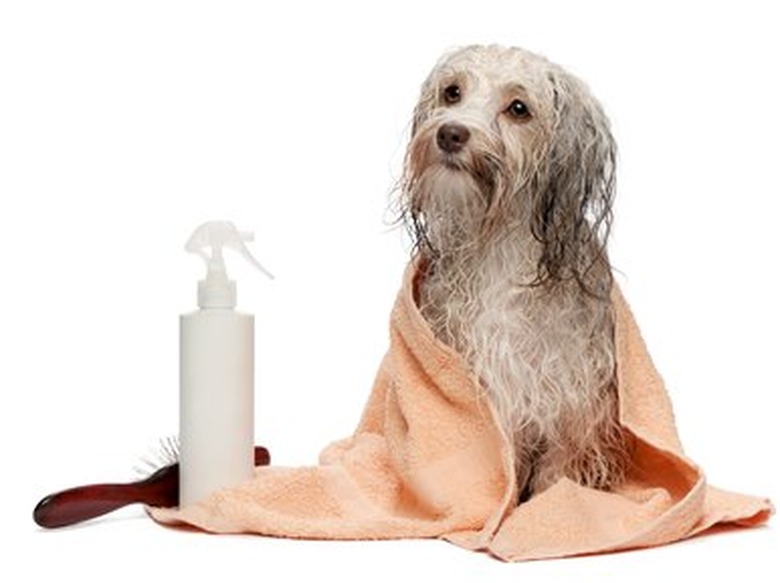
x=544 y=356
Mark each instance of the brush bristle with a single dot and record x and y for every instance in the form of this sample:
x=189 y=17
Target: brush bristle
x=164 y=453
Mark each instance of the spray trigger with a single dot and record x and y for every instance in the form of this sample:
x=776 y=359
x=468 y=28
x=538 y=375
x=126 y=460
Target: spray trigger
x=216 y=290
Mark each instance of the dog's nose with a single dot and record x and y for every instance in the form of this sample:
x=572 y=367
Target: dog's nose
x=451 y=137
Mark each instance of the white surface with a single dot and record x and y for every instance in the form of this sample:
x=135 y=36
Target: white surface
x=124 y=124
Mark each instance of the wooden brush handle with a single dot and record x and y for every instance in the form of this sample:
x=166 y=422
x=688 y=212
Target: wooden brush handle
x=78 y=504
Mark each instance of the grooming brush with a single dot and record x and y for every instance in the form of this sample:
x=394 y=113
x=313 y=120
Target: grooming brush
x=161 y=488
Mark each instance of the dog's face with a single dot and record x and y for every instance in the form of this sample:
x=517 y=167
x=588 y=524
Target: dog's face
x=502 y=140
x=477 y=109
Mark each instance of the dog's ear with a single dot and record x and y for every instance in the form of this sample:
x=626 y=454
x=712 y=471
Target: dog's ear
x=575 y=188
x=425 y=104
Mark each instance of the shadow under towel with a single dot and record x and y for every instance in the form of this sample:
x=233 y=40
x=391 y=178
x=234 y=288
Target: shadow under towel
x=428 y=460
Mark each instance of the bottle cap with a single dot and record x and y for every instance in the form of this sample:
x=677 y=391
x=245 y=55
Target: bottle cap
x=217 y=290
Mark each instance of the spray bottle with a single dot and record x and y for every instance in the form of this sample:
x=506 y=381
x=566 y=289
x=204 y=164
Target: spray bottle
x=216 y=416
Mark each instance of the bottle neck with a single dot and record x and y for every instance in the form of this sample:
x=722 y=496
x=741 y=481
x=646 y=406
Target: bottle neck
x=216 y=294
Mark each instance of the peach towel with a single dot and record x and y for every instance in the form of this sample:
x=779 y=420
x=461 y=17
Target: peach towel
x=428 y=460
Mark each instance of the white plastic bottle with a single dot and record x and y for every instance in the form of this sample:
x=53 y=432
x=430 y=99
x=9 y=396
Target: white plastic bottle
x=216 y=415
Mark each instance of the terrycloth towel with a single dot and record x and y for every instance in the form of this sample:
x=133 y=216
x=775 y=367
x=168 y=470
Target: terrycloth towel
x=428 y=460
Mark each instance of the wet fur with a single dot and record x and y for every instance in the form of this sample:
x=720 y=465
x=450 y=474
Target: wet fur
x=512 y=232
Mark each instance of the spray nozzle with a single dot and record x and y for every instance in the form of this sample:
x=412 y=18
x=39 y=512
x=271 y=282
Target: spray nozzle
x=217 y=291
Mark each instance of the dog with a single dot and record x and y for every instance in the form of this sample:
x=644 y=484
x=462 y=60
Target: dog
x=507 y=191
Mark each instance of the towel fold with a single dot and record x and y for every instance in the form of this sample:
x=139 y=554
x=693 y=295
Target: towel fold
x=428 y=460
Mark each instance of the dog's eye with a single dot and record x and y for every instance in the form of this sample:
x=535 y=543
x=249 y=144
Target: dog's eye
x=518 y=109
x=451 y=94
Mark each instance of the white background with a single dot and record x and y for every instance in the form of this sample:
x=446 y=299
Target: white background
x=123 y=125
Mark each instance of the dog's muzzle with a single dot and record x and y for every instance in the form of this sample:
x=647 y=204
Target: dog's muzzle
x=451 y=137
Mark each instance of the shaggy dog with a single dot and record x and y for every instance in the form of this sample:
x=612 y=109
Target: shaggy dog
x=507 y=190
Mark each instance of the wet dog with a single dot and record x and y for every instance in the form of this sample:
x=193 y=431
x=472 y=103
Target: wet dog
x=507 y=190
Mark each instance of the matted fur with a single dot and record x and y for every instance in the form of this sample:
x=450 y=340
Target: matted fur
x=512 y=230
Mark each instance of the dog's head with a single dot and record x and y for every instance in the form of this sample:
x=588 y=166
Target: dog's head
x=505 y=143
